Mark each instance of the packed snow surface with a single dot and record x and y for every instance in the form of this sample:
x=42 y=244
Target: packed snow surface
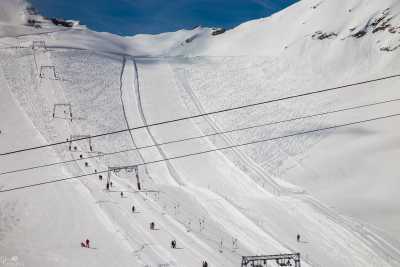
x=338 y=188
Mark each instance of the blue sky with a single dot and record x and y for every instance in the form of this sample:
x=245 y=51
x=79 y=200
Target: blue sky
x=129 y=17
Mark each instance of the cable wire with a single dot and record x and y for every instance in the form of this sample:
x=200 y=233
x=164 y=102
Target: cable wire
x=204 y=136
x=207 y=151
x=207 y=113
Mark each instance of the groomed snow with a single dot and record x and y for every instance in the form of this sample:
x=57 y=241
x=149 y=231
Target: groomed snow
x=218 y=206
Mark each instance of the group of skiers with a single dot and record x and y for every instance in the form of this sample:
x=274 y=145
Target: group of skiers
x=108 y=185
x=85 y=244
x=152 y=224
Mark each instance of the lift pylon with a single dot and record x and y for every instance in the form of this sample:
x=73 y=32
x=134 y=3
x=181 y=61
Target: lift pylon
x=64 y=106
x=128 y=169
x=36 y=45
x=79 y=137
x=51 y=70
x=283 y=260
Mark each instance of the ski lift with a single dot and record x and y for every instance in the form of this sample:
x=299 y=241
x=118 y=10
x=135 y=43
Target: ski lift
x=283 y=263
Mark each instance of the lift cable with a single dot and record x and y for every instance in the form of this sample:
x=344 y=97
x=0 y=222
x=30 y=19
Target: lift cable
x=208 y=151
x=208 y=113
x=177 y=141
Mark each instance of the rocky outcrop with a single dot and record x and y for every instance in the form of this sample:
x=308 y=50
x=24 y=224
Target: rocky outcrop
x=377 y=24
x=319 y=35
x=218 y=31
x=61 y=22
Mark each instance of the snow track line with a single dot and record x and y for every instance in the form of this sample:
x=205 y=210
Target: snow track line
x=243 y=158
x=125 y=116
x=171 y=169
x=388 y=252
x=36 y=64
x=210 y=113
x=200 y=196
x=122 y=100
x=210 y=151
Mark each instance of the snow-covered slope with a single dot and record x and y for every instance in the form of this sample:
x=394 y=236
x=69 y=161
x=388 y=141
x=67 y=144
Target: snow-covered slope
x=220 y=205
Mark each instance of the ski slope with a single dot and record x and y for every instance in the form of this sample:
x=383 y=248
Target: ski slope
x=221 y=205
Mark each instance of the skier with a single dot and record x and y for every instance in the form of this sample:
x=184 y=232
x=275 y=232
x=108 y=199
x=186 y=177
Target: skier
x=298 y=238
x=108 y=186
x=87 y=243
x=152 y=226
x=83 y=245
x=122 y=195
x=133 y=209
x=205 y=264
x=173 y=244
x=100 y=177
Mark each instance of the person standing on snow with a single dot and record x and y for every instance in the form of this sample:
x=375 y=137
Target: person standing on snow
x=87 y=243
x=298 y=238
x=173 y=244
x=133 y=209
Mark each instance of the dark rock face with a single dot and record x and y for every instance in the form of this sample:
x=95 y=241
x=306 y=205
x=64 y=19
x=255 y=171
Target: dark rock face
x=359 y=34
x=218 y=31
x=191 y=39
x=379 y=23
x=319 y=35
x=61 y=22
x=33 y=23
x=389 y=48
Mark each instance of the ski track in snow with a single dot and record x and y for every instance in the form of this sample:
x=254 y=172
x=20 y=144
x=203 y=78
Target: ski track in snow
x=171 y=169
x=262 y=176
x=119 y=228
x=203 y=202
x=63 y=124
x=128 y=125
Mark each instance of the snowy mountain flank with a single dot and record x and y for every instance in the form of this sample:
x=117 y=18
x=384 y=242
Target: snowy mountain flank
x=335 y=187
